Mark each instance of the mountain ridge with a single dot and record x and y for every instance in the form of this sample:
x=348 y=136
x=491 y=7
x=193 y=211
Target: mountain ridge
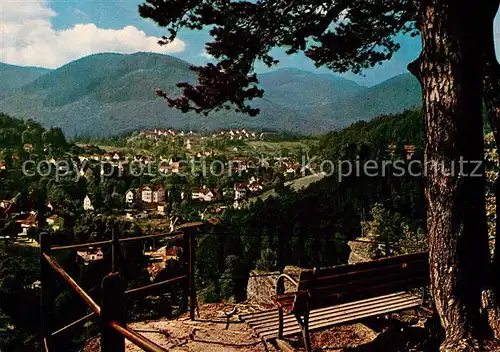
x=109 y=93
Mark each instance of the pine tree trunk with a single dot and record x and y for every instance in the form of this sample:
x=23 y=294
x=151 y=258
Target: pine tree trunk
x=450 y=71
x=491 y=94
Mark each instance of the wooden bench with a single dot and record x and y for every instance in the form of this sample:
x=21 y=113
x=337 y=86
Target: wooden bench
x=342 y=295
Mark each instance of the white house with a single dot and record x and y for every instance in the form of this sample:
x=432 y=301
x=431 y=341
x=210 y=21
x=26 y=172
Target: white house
x=158 y=194
x=239 y=204
x=87 y=204
x=164 y=168
x=292 y=169
x=240 y=190
x=255 y=186
x=130 y=196
x=30 y=222
x=204 y=194
x=240 y=163
x=147 y=194
x=161 y=209
x=176 y=166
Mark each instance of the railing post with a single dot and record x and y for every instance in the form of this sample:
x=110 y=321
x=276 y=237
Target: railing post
x=114 y=249
x=192 y=288
x=185 y=260
x=45 y=292
x=112 y=309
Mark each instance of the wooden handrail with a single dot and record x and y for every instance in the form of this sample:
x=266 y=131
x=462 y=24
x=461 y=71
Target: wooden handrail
x=113 y=327
x=72 y=283
x=138 y=238
x=73 y=323
x=81 y=245
x=178 y=231
x=138 y=289
x=137 y=339
x=102 y=243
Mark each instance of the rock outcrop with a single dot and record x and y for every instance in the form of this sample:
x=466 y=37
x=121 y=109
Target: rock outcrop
x=361 y=251
x=260 y=289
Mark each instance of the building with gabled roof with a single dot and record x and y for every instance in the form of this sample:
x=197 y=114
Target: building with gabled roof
x=90 y=255
x=87 y=204
x=205 y=194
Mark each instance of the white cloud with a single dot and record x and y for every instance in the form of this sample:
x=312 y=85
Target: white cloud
x=28 y=38
x=497 y=35
x=206 y=55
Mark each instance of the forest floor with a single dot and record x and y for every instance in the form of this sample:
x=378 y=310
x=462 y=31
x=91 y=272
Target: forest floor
x=403 y=332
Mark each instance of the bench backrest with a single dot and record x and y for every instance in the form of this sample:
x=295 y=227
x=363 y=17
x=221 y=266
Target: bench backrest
x=346 y=283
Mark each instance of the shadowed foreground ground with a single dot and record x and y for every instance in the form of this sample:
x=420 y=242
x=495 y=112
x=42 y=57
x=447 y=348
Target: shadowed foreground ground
x=404 y=332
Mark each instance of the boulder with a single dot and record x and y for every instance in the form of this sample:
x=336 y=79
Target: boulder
x=261 y=289
x=361 y=251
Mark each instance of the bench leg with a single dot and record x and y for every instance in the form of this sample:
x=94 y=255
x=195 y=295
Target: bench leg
x=304 y=326
x=265 y=344
x=305 y=333
x=280 y=322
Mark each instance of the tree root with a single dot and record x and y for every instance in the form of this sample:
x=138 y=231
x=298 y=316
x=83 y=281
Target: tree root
x=492 y=311
x=459 y=345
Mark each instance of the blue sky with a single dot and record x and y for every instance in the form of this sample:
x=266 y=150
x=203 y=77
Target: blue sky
x=52 y=33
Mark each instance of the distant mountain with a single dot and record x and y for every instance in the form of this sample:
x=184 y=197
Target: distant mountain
x=305 y=90
x=12 y=77
x=108 y=94
x=394 y=95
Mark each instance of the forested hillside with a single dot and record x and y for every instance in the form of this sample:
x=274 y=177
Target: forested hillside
x=310 y=228
x=111 y=94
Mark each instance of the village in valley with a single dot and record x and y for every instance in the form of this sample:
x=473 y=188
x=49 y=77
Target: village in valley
x=154 y=174
x=249 y=176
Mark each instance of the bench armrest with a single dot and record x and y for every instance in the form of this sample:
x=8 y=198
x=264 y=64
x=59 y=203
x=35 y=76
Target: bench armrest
x=292 y=301
x=280 y=285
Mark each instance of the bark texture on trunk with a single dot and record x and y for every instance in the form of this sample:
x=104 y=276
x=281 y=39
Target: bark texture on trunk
x=491 y=94
x=450 y=71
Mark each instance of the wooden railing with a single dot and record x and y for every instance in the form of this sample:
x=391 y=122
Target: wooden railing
x=111 y=311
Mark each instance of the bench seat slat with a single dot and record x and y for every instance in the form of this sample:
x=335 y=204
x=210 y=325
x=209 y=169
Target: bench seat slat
x=293 y=327
x=335 y=311
x=252 y=317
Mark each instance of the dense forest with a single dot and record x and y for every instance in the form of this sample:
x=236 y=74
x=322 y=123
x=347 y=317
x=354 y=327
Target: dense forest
x=311 y=228
x=307 y=229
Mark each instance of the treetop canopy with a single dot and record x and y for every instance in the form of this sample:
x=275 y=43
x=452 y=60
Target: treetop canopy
x=343 y=35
